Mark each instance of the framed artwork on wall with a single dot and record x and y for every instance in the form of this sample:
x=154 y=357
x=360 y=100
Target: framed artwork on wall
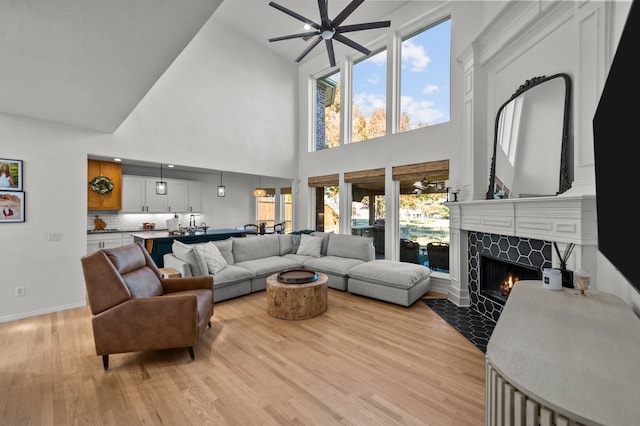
x=11 y=206
x=10 y=175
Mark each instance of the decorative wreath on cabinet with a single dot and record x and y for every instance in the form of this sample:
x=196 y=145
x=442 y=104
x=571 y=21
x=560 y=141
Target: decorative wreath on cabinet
x=101 y=184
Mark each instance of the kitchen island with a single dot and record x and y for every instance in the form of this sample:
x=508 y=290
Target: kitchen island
x=159 y=243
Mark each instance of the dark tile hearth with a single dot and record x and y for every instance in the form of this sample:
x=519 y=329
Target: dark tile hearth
x=467 y=321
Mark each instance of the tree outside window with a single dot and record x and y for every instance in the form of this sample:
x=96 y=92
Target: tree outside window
x=369 y=98
x=327 y=119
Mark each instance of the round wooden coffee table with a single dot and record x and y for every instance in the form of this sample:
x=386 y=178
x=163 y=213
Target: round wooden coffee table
x=296 y=301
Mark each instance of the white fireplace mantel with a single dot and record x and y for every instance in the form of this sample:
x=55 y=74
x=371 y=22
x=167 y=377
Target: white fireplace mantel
x=562 y=219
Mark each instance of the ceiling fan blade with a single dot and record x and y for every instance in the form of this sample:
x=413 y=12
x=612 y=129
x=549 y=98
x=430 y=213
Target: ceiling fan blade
x=365 y=26
x=342 y=39
x=295 y=15
x=332 y=56
x=324 y=13
x=308 y=49
x=346 y=12
x=290 y=36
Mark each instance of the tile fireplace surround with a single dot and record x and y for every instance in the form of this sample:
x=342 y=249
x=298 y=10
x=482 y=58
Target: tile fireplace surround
x=562 y=219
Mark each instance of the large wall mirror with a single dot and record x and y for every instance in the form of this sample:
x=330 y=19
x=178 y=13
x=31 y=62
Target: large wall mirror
x=530 y=149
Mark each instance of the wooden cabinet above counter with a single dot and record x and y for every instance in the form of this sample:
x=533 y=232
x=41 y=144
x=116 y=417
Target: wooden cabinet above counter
x=111 y=200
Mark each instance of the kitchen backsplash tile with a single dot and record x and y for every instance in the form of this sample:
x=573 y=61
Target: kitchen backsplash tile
x=133 y=222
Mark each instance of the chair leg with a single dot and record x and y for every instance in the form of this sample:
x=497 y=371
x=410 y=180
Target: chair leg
x=191 y=353
x=105 y=362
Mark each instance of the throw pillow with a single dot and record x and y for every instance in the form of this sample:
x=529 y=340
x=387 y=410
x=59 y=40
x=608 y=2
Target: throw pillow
x=225 y=248
x=310 y=245
x=325 y=240
x=212 y=256
x=295 y=243
x=186 y=253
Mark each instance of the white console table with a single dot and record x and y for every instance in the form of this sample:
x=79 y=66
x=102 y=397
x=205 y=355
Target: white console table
x=556 y=358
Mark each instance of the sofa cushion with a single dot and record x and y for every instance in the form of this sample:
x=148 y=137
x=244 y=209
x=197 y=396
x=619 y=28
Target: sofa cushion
x=325 y=240
x=353 y=246
x=213 y=258
x=300 y=258
x=230 y=275
x=187 y=253
x=332 y=264
x=251 y=248
x=286 y=244
x=225 y=247
x=310 y=245
x=390 y=273
x=268 y=265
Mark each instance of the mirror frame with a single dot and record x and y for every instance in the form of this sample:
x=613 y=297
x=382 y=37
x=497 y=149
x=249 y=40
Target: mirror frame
x=564 y=183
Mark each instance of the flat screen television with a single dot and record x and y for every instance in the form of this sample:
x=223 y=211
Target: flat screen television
x=616 y=133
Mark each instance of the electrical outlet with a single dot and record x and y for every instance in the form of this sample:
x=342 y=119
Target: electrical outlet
x=20 y=291
x=54 y=236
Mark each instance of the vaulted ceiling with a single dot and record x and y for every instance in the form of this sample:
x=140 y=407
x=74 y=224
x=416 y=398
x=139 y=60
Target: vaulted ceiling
x=89 y=63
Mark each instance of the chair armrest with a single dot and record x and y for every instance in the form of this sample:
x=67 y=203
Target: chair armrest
x=146 y=324
x=173 y=285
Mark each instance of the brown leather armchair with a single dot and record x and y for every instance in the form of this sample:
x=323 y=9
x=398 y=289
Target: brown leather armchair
x=135 y=309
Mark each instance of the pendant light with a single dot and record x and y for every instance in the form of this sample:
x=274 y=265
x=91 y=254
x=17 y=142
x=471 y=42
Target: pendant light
x=259 y=192
x=161 y=185
x=221 y=188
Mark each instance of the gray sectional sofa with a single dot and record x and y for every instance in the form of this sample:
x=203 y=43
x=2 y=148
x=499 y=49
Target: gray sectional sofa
x=241 y=266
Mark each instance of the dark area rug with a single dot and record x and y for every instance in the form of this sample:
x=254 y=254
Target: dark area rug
x=470 y=323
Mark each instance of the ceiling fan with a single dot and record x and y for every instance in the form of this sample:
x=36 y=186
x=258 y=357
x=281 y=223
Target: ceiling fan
x=329 y=29
x=425 y=185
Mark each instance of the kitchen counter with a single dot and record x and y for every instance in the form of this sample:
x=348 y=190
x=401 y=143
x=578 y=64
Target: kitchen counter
x=121 y=231
x=158 y=243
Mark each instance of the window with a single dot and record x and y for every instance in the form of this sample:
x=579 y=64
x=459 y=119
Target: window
x=286 y=209
x=327 y=112
x=369 y=98
x=424 y=220
x=425 y=58
x=267 y=208
x=328 y=209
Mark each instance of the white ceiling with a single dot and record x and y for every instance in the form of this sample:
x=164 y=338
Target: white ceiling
x=89 y=63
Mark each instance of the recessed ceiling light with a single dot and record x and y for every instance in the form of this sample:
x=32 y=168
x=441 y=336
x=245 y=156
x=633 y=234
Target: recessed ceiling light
x=117 y=159
x=307 y=27
x=170 y=166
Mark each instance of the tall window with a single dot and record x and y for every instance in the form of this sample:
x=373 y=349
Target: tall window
x=267 y=208
x=327 y=110
x=369 y=98
x=286 y=209
x=425 y=58
x=328 y=209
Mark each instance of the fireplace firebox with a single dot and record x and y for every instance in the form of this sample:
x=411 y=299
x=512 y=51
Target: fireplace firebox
x=498 y=276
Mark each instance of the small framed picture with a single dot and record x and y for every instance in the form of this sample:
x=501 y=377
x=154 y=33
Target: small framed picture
x=10 y=175
x=11 y=206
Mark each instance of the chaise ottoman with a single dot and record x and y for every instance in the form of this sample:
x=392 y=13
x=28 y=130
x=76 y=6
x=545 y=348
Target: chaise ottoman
x=395 y=282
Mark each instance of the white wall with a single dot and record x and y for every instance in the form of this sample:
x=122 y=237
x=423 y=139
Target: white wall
x=214 y=108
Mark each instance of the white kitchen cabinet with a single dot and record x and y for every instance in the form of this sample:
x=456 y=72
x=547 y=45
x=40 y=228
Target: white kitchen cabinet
x=177 y=196
x=133 y=194
x=104 y=240
x=155 y=203
x=195 y=196
x=139 y=196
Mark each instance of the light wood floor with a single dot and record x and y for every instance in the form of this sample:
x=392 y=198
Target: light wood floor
x=363 y=362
